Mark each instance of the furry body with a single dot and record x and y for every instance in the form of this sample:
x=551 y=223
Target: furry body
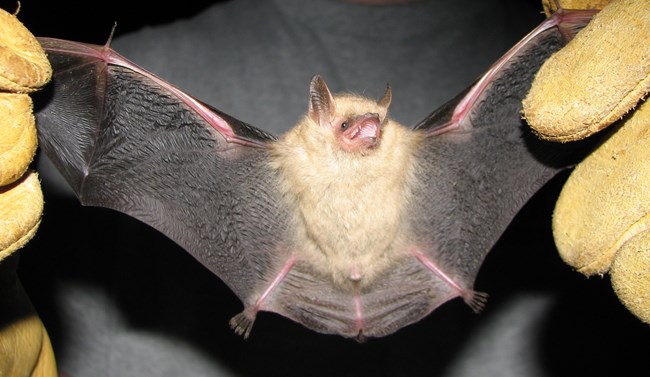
x=350 y=216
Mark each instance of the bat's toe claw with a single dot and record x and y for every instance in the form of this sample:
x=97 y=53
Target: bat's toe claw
x=476 y=300
x=242 y=323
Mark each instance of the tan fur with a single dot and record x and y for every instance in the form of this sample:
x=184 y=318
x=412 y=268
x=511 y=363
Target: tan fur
x=350 y=205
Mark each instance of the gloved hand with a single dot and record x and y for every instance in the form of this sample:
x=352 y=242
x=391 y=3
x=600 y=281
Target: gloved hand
x=25 y=348
x=601 y=220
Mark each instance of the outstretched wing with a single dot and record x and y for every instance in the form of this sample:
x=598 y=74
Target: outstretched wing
x=481 y=163
x=124 y=139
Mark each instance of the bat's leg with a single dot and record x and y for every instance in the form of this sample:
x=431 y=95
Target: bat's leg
x=475 y=300
x=242 y=323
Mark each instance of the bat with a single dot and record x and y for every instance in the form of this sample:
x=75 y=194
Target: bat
x=350 y=223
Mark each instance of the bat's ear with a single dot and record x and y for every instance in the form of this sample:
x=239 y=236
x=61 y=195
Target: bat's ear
x=384 y=101
x=321 y=102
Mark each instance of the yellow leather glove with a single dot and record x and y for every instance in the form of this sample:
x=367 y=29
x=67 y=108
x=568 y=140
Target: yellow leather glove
x=25 y=348
x=602 y=217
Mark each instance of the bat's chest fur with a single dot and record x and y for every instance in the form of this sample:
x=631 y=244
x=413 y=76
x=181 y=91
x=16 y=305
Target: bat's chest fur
x=353 y=225
x=350 y=212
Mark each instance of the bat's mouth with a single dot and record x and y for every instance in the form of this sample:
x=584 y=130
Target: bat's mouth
x=364 y=133
x=366 y=130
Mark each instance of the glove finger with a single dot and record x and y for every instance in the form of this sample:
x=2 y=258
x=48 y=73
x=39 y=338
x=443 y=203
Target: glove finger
x=597 y=78
x=21 y=205
x=23 y=64
x=605 y=196
x=18 y=138
x=630 y=274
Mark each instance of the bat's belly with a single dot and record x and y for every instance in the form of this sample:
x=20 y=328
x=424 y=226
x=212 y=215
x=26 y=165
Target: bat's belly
x=353 y=237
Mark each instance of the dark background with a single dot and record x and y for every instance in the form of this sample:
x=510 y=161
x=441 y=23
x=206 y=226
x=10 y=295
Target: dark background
x=586 y=331
x=92 y=21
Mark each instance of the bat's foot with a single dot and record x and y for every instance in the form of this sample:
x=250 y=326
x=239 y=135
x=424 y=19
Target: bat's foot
x=360 y=338
x=475 y=300
x=242 y=323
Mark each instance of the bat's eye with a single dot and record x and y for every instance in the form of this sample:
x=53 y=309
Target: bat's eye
x=344 y=125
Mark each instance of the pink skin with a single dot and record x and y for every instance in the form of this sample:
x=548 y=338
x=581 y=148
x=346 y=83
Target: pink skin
x=109 y=56
x=358 y=133
x=243 y=322
x=358 y=312
x=476 y=300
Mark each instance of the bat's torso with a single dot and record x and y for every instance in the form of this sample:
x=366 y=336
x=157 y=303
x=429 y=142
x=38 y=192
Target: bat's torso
x=350 y=218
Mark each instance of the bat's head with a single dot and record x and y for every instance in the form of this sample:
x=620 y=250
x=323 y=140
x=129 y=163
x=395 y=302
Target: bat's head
x=354 y=121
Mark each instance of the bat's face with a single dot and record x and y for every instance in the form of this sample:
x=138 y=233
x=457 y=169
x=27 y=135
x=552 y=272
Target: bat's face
x=357 y=133
x=354 y=122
